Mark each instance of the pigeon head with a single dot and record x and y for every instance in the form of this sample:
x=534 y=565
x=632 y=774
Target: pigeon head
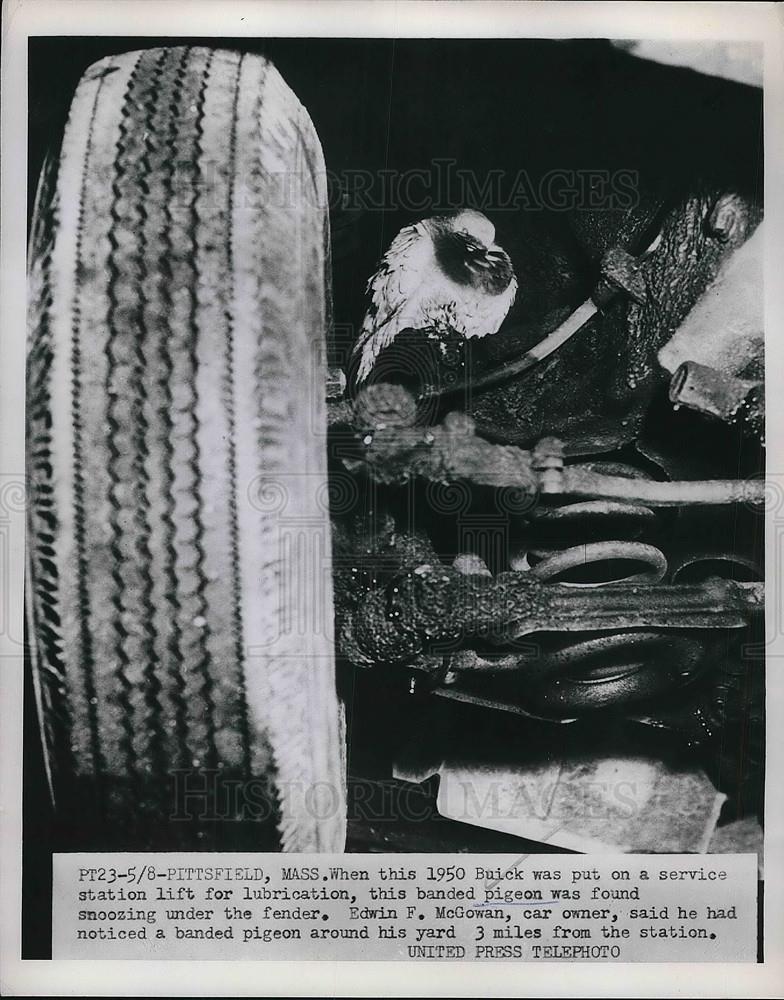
x=466 y=251
x=473 y=225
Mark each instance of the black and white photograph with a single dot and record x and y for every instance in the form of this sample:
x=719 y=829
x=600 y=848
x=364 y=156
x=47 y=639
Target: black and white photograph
x=396 y=496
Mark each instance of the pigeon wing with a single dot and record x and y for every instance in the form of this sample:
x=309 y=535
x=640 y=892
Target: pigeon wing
x=395 y=295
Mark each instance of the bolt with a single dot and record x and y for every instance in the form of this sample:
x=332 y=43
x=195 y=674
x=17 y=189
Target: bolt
x=548 y=454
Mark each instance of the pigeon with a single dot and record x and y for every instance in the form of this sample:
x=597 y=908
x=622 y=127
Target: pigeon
x=444 y=275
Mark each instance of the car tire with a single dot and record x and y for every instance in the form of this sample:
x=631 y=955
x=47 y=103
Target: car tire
x=180 y=590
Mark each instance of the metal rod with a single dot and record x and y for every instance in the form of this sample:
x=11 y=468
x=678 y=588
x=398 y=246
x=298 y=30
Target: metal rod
x=574 y=322
x=703 y=492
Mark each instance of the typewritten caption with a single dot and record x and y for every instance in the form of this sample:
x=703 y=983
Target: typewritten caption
x=623 y=908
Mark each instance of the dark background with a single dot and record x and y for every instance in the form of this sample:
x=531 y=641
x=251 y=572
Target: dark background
x=384 y=104
x=398 y=105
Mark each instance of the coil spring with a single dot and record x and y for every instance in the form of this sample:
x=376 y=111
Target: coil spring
x=595 y=543
x=564 y=543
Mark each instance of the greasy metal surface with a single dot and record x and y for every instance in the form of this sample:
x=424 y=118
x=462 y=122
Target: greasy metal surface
x=393 y=448
x=717 y=353
x=709 y=391
x=599 y=390
x=723 y=396
x=435 y=606
x=594 y=391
